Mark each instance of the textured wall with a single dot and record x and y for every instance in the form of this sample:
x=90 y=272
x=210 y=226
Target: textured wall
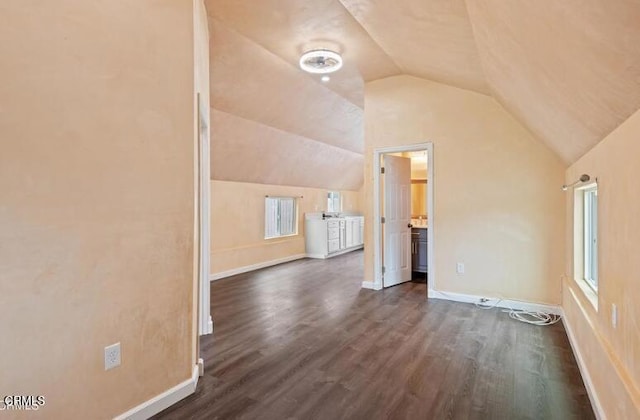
x=612 y=355
x=96 y=201
x=498 y=204
x=237 y=222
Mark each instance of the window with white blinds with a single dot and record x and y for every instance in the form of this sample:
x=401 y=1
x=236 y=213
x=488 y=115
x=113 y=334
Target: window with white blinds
x=280 y=217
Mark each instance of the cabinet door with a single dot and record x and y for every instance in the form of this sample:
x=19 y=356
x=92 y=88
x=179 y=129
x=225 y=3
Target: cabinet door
x=349 y=231
x=421 y=256
x=415 y=264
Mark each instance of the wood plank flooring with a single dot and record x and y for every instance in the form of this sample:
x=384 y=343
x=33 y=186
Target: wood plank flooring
x=303 y=341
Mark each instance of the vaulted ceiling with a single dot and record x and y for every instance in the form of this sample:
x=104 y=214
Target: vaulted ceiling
x=568 y=70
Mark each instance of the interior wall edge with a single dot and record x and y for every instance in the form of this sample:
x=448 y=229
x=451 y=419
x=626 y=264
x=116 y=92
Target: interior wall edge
x=415 y=76
x=285 y=185
x=271 y=127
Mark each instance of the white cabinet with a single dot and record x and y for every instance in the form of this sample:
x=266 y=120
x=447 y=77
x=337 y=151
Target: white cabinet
x=325 y=238
x=353 y=228
x=350 y=239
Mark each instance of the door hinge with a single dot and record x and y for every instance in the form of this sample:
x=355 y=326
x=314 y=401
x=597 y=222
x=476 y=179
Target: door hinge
x=381 y=170
x=382 y=220
x=383 y=269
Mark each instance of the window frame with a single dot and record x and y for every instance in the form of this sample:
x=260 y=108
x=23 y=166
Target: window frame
x=590 y=235
x=294 y=214
x=331 y=201
x=588 y=288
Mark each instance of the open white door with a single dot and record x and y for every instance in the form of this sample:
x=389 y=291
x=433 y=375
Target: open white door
x=397 y=220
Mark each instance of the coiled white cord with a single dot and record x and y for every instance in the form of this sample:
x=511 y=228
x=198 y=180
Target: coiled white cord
x=529 y=317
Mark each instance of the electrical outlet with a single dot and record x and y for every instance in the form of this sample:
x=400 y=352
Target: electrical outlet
x=614 y=315
x=112 y=356
x=460 y=268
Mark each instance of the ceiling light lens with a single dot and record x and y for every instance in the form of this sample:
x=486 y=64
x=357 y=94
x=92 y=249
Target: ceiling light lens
x=320 y=61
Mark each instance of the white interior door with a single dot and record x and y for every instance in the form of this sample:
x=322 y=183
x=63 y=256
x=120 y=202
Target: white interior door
x=397 y=214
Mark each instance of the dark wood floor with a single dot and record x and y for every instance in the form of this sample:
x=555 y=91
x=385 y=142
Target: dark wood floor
x=303 y=341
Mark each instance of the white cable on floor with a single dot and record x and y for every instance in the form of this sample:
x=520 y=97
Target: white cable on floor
x=482 y=305
x=535 y=318
x=529 y=317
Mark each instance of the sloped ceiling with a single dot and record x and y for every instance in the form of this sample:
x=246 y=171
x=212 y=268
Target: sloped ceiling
x=289 y=28
x=278 y=119
x=431 y=39
x=568 y=70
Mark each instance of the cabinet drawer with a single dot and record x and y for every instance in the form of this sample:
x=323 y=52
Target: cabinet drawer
x=333 y=233
x=334 y=245
x=420 y=234
x=333 y=223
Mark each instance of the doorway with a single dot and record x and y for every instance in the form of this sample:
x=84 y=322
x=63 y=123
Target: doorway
x=403 y=215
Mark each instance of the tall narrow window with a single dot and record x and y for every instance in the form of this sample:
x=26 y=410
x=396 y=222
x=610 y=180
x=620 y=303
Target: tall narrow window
x=590 y=214
x=280 y=217
x=334 y=202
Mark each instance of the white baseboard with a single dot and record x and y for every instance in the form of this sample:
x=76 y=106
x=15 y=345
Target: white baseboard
x=158 y=403
x=499 y=303
x=593 y=396
x=200 y=367
x=247 y=268
x=209 y=326
x=335 y=254
x=371 y=285
x=317 y=256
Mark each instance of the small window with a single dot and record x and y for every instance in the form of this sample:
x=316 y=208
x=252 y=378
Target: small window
x=590 y=219
x=280 y=217
x=334 y=202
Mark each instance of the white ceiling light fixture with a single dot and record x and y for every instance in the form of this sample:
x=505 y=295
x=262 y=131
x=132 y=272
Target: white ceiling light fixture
x=321 y=61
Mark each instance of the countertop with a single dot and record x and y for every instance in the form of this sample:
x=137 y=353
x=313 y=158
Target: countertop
x=420 y=227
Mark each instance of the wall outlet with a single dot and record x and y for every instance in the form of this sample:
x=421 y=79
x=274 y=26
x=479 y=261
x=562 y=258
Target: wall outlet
x=460 y=268
x=112 y=356
x=614 y=315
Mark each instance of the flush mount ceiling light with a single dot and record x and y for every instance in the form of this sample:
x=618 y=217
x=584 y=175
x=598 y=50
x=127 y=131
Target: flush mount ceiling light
x=320 y=61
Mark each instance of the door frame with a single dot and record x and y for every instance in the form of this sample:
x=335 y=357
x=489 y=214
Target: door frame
x=377 y=225
x=203 y=191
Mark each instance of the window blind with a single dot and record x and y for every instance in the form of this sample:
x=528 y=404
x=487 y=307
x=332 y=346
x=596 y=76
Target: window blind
x=280 y=217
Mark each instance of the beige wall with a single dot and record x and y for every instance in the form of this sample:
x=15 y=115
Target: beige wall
x=237 y=222
x=498 y=205
x=96 y=201
x=612 y=355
